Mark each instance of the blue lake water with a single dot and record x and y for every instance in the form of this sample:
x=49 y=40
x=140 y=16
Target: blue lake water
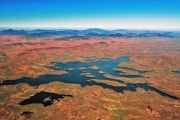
x=75 y=77
x=178 y=72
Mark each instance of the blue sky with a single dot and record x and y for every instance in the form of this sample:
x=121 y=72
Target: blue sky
x=109 y=14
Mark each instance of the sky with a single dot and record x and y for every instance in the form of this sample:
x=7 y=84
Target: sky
x=107 y=14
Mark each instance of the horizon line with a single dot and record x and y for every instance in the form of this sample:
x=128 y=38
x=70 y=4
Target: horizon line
x=85 y=28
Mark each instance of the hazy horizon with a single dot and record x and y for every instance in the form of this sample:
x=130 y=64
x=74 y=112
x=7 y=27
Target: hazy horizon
x=59 y=28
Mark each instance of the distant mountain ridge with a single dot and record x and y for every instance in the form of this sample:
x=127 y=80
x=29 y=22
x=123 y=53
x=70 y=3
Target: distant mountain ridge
x=92 y=32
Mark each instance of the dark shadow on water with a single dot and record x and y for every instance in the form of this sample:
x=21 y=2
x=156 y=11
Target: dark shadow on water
x=132 y=76
x=41 y=96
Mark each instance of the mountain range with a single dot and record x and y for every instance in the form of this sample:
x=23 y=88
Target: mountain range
x=92 y=32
